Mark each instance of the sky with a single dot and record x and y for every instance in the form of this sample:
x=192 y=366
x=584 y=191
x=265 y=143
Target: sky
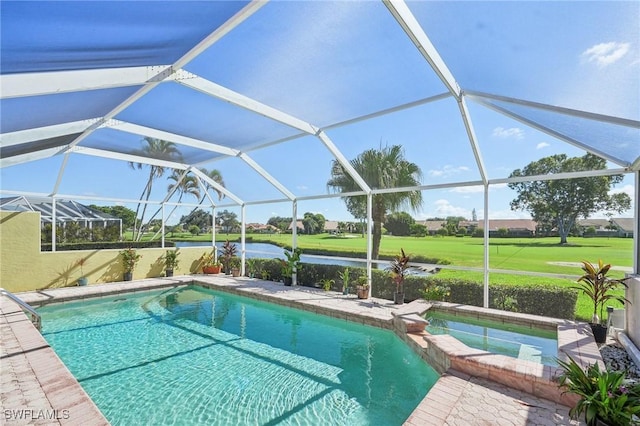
x=328 y=62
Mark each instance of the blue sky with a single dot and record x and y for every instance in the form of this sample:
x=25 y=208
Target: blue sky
x=328 y=62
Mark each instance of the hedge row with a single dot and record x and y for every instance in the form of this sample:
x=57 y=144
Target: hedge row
x=551 y=301
x=103 y=245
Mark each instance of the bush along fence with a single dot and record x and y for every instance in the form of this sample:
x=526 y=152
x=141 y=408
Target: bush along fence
x=551 y=301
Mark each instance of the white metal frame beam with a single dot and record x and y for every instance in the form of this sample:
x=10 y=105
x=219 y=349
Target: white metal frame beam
x=207 y=42
x=212 y=89
x=412 y=28
x=551 y=132
x=129 y=158
x=46 y=132
x=51 y=83
x=137 y=129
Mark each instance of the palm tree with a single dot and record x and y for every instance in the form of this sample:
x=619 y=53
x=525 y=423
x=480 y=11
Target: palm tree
x=186 y=185
x=215 y=176
x=159 y=149
x=380 y=168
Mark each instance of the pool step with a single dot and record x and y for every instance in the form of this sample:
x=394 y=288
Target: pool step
x=413 y=323
x=530 y=353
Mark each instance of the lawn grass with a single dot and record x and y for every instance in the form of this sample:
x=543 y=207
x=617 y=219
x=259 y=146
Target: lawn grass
x=519 y=254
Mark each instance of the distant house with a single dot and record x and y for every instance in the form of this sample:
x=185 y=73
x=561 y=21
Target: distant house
x=261 y=228
x=514 y=227
x=624 y=225
x=433 y=225
x=601 y=226
x=331 y=226
x=299 y=225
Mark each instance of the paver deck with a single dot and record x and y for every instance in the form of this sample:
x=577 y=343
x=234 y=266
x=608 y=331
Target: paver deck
x=30 y=382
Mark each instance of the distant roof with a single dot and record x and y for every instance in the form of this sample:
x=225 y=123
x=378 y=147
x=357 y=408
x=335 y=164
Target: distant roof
x=624 y=223
x=66 y=210
x=596 y=223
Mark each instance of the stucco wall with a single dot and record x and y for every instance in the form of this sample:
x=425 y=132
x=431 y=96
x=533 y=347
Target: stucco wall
x=23 y=267
x=633 y=310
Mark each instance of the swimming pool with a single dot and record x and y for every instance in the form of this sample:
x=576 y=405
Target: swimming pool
x=520 y=342
x=193 y=356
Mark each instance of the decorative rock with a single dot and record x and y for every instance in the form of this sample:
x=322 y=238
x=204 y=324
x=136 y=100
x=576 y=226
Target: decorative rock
x=615 y=358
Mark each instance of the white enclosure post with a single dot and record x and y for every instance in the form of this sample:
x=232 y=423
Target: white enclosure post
x=369 y=241
x=485 y=279
x=213 y=233
x=53 y=225
x=163 y=224
x=242 y=238
x=636 y=227
x=294 y=237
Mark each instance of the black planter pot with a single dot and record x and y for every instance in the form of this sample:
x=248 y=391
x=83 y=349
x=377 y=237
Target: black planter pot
x=398 y=298
x=599 y=332
x=288 y=281
x=128 y=276
x=169 y=272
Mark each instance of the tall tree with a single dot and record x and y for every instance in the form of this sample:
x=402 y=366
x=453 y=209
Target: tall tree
x=282 y=223
x=560 y=202
x=227 y=220
x=399 y=223
x=380 y=168
x=158 y=149
x=199 y=218
x=313 y=223
x=125 y=214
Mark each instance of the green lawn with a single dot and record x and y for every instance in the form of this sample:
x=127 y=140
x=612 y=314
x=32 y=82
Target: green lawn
x=520 y=254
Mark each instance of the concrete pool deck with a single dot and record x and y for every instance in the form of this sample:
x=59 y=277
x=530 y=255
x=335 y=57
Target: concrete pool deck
x=457 y=398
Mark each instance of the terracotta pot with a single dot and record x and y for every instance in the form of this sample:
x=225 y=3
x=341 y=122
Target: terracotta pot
x=363 y=292
x=211 y=269
x=235 y=272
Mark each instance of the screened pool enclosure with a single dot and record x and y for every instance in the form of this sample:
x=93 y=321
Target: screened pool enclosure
x=271 y=94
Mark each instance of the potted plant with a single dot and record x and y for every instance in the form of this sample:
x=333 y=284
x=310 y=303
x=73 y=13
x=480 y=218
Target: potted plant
x=399 y=269
x=234 y=264
x=344 y=277
x=229 y=251
x=290 y=266
x=252 y=267
x=362 y=288
x=595 y=284
x=82 y=281
x=130 y=258
x=605 y=397
x=171 y=262
x=209 y=264
x=327 y=283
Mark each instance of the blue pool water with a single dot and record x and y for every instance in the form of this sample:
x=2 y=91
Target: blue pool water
x=193 y=356
x=511 y=340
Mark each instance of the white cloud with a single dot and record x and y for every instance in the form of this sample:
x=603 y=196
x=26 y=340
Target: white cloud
x=507 y=214
x=445 y=208
x=447 y=170
x=512 y=132
x=605 y=54
x=476 y=189
x=542 y=145
x=302 y=187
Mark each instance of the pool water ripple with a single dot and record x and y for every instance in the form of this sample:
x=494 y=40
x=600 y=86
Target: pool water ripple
x=194 y=356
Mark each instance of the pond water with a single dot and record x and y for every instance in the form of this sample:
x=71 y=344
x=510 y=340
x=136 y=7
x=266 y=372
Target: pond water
x=271 y=251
